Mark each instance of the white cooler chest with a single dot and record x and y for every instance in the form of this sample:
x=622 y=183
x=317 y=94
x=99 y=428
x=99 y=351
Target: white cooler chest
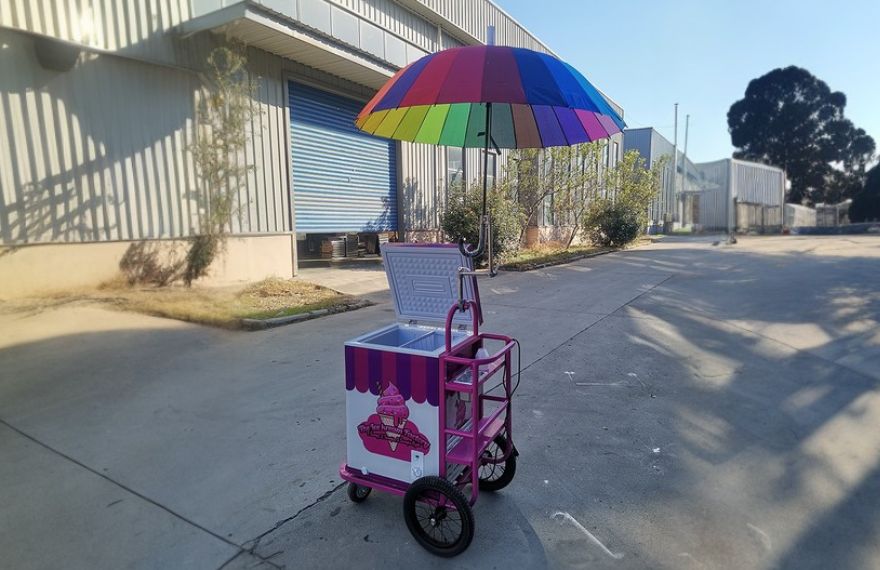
x=392 y=374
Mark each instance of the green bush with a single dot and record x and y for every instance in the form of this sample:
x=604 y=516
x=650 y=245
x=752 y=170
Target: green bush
x=462 y=217
x=612 y=224
x=619 y=215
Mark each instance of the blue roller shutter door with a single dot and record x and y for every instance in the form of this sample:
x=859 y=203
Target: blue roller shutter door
x=344 y=180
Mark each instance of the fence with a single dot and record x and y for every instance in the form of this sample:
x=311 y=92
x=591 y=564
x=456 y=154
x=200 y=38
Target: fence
x=760 y=218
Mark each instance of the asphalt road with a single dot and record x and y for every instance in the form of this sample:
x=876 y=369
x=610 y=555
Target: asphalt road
x=682 y=406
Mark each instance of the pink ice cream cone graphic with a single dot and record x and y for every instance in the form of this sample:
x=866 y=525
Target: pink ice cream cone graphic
x=389 y=431
x=393 y=412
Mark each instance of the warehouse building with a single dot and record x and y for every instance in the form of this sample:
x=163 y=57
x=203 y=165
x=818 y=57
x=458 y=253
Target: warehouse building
x=725 y=195
x=98 y=105
x=673 y=204
x=742 y=196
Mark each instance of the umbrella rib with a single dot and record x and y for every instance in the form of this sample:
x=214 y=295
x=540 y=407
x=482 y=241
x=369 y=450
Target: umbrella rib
x=555 y=81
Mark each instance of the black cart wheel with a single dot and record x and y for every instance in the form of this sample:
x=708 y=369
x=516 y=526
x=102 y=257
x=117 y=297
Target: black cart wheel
x=496 y=474
x=439 y=516
x=358 y=493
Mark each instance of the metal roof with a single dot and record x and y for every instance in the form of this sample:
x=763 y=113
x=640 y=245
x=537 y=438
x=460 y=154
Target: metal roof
x=262 y=28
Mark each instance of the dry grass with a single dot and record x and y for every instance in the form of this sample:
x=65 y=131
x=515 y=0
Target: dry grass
x=555 y=253
x=221 y=307
x=549 y=253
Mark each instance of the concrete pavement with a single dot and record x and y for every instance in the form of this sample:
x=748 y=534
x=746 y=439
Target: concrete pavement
x=683 y=406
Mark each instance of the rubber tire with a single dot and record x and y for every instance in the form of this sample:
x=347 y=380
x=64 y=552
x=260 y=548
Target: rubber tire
x=509 y=469
x=456 y=497
x=358 y=493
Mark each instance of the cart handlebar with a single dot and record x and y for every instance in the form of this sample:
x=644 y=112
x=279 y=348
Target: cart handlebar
x=463 y=306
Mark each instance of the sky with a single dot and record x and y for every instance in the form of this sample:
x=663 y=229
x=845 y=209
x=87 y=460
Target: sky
x=648 y=55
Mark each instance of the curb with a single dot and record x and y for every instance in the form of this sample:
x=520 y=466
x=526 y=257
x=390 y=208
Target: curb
x=533 y=266
x=263 y=324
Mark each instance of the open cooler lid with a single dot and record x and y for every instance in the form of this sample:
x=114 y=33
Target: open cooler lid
x=424 y=281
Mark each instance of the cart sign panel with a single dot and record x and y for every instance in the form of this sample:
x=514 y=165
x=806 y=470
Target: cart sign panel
x=389 y=431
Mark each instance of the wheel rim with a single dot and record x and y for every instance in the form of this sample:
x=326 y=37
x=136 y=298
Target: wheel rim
x=439 y=520
x=492 y=467
x=362 y=492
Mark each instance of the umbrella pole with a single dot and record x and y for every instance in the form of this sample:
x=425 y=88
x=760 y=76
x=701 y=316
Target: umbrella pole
x=485 y=223
x=485 y=229
x=486 y=155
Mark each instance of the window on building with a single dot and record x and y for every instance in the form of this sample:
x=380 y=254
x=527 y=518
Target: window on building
x=454 y=166
x=606 y=156
x=615 y=155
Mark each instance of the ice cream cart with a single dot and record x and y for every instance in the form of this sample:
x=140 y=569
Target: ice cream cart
x=422 y=419
x=428 y=399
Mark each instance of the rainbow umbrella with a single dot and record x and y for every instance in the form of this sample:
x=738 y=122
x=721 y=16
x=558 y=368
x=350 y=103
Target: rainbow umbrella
x=489 y=96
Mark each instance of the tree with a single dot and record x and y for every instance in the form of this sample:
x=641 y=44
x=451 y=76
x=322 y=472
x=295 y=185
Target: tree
x=578 y=183
x=616 y=217
x=559 y=180
x=527 y=178
x=221 y=138
x=791 y=119
x=865 y=206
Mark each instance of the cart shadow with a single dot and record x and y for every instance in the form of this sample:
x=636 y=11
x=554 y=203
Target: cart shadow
x=336 y=532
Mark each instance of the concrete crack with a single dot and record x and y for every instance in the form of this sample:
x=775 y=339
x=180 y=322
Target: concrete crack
x=250 y=546
x=140 y=495
x=262 y=561
x=122 y=486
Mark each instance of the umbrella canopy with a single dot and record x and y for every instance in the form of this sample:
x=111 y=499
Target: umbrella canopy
x=534 y=100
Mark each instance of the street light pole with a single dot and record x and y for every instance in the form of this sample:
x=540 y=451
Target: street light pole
x=684 y=163
x=670 y=204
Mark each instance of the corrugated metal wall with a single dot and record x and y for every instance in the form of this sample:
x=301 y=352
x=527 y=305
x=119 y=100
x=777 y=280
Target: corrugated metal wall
x=641 y=141
x=134 y=29
x=714 y=179
x=638 y=140
x=448 y=41
x=474 y=16
x=422 y=188
x=396 y=19
x=104 y=24
x=265 y=202
x=758 y=184
x=724 y=180
x=113 y=165
x=100 y=152
x=713 y=209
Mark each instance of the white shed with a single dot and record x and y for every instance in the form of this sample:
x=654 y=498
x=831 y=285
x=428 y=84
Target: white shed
x=740 y=195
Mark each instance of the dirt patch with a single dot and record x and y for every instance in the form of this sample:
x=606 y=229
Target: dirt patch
x=550 y=254
x=216 y=306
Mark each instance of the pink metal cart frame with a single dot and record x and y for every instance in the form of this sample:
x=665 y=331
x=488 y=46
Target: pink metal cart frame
x=483 y=429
